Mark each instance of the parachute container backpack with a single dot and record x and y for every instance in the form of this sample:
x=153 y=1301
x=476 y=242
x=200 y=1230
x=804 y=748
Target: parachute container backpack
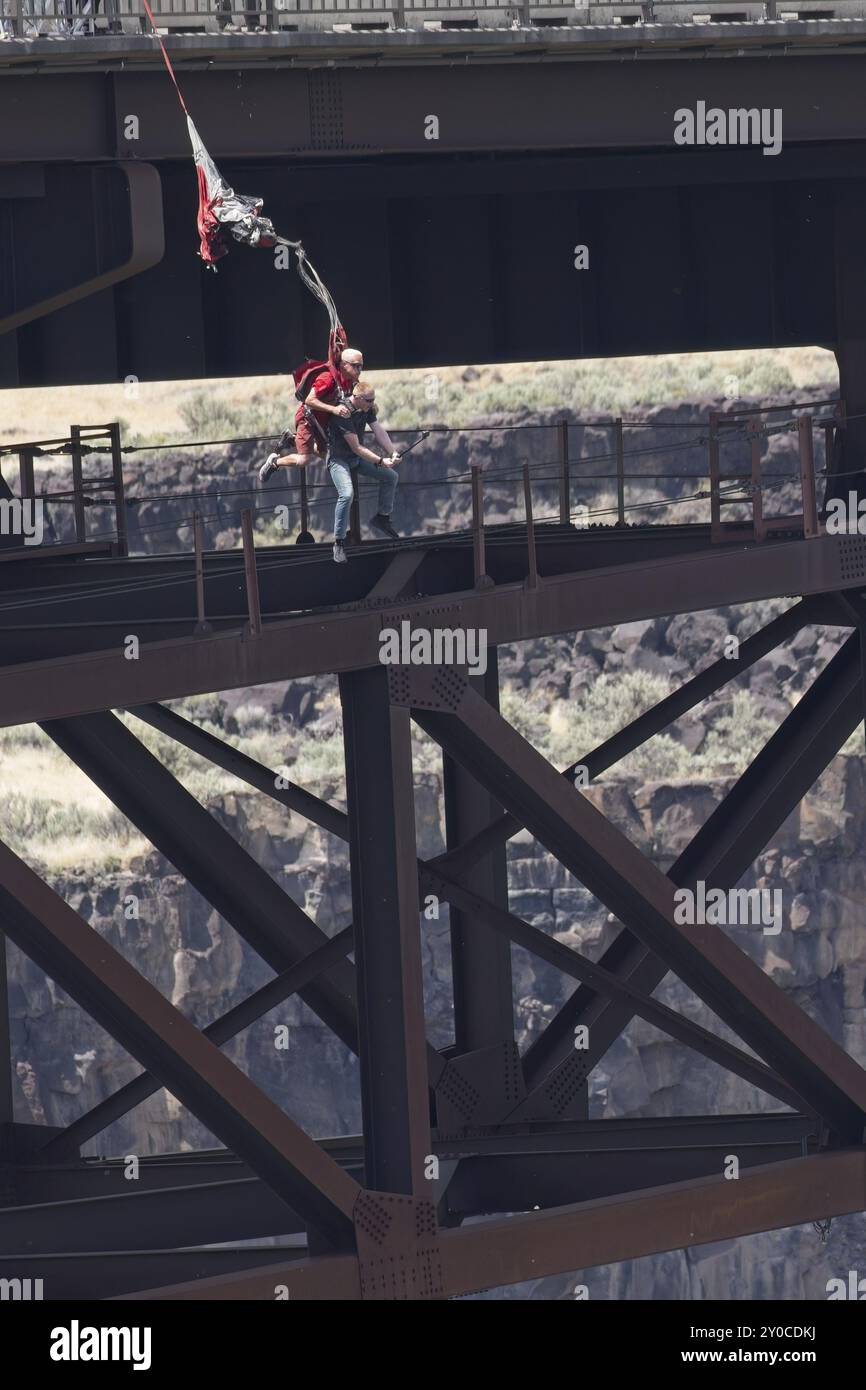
x=221 y=211
x=306 y=374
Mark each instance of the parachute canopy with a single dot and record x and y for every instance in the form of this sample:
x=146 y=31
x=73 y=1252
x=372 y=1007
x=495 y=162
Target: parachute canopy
x=221 y=210
x=219 y=207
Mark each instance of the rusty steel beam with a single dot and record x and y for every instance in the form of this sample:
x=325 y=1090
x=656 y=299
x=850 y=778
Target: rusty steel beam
x=542 y=1056
x=256 y=775
x=759 y=1130
x=207 y=855
x=598 y=107
x=497 y=1173
x=155 y=1219
x=610 y=866
x=853 y=602
x=570 y=962
x=331 y=642
x=515 y=1182
x=89 y=1275
x=153 y=1031
x=517 y=1175
x=676 y=1217
x=95 y=1120
x=240 y=765
x=480 y=957
x=764 y=797
x=458 y=862
x=146 y=247
x=318 y=810
x=384 y=867
x=39 y=1184
x=565 y=1240
x=782 y=772
x=325 y=1279
x=400 y=576
x=653 y=721
x=6 y=1093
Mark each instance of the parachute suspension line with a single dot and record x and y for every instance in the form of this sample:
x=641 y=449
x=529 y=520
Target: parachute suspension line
x=219 y=207
x=317 y=287
x=165 y=57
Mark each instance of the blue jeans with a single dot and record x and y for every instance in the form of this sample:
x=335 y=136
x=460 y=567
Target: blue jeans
x=341 y=477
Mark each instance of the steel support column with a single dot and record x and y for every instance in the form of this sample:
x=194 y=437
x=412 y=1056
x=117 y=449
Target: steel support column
x=380 y=797
x=6 y=1102
x=480 y=958
x=850 y=211
x=854 y=603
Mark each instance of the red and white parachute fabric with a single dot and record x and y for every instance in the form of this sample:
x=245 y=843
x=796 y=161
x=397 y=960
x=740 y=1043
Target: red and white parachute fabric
x=221 y=211
x=220 y=208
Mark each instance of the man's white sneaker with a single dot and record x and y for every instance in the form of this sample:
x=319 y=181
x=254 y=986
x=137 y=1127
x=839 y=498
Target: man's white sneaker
x=339 y=553
x=268 y=467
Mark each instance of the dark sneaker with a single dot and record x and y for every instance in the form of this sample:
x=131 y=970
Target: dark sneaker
x=268 y=467
x=382 y=524
x=339 y=553
x=285 y=443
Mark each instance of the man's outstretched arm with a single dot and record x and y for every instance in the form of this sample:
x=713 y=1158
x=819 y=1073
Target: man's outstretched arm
x=360 y=449
x=383 y=438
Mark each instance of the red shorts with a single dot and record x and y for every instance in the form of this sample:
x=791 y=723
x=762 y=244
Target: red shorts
x=307 y=437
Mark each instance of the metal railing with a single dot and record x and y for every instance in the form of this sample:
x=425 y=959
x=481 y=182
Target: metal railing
x=81 y=18
x=751 y=485
x=540 y=482
x=86 y=492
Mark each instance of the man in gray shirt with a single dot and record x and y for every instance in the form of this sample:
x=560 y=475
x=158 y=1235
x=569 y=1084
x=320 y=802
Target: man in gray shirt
x=348 y=455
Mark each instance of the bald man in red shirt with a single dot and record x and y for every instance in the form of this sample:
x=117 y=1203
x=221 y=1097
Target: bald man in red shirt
x=313 y=415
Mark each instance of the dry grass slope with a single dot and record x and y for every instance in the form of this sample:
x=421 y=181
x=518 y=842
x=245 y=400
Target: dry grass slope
x=161 y=412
